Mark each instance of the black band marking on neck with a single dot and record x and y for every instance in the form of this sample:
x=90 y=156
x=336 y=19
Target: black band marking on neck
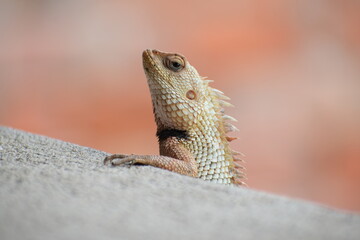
x=166 y=133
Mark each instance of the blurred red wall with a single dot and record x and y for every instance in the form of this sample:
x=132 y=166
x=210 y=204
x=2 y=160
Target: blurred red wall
x=72 y=70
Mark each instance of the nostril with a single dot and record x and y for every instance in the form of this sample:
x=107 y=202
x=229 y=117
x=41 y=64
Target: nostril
x=146 y=69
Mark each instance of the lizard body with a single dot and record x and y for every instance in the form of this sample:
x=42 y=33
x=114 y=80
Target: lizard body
x=191 y=124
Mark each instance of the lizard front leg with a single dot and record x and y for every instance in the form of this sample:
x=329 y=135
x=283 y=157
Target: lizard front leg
x=174 y=157
x=164 y=162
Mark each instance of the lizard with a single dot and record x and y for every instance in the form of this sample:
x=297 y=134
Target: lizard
x=191 y=123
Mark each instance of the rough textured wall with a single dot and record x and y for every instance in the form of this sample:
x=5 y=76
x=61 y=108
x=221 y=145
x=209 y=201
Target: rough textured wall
x=57 y=190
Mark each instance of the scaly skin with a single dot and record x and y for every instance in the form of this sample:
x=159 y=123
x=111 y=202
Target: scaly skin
x=191 y=125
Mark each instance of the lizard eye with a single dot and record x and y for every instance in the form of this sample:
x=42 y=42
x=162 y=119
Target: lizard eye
x=174 y=63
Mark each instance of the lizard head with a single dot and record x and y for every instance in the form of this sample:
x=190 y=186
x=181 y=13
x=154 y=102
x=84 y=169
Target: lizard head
x=179 y=94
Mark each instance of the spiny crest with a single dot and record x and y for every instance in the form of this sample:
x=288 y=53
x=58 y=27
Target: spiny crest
x=238 y=170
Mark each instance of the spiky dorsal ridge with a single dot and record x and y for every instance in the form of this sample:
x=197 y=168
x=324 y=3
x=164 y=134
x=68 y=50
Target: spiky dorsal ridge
x=237 y=169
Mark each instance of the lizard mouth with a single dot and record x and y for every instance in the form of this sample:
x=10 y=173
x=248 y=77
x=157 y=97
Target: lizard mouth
x=148 y=59
x=147 y=53
x=151 y=62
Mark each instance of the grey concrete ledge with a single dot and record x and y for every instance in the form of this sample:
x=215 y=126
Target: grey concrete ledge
x=52 y=189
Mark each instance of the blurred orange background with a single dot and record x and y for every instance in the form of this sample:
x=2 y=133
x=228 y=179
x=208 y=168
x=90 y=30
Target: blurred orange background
x=72 y=70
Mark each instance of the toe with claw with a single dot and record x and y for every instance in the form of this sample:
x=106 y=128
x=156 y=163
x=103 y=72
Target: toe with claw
x=120 y=159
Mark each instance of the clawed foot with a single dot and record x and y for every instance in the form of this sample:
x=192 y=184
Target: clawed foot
x=120 y=159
